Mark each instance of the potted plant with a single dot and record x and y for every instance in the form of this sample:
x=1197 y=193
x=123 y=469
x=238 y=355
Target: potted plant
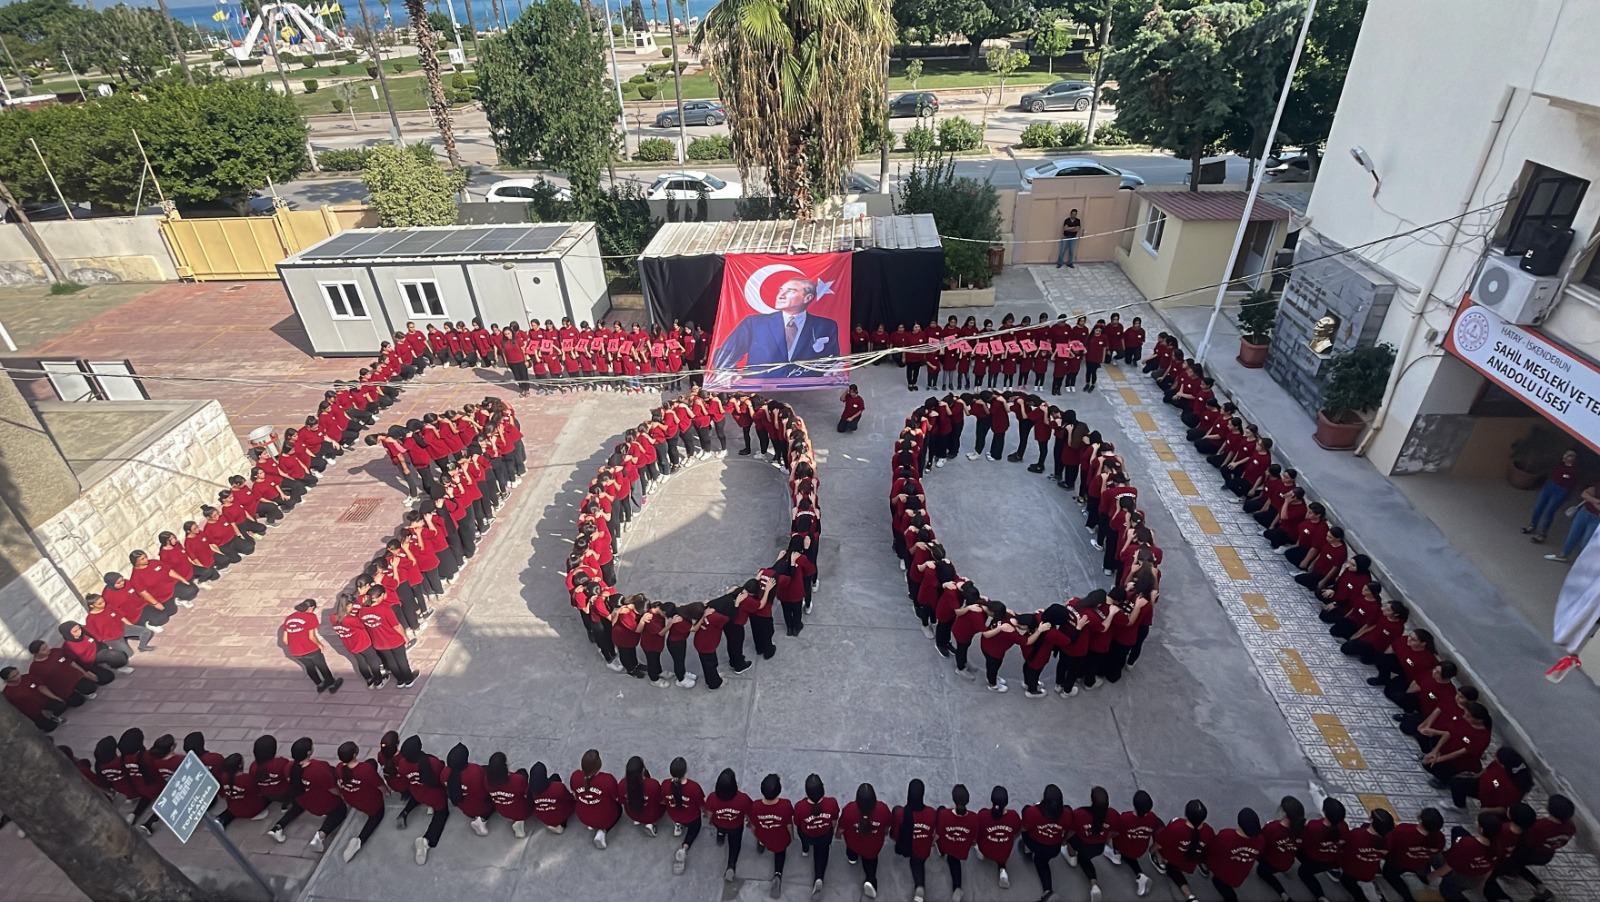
x=1354 y=381
x=1534 y=454
x=1257 y=315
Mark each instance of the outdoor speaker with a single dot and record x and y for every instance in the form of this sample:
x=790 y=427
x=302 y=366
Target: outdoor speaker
x=1547 y=247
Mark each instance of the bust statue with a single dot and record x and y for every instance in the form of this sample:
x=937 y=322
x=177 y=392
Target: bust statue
x=1322 y=334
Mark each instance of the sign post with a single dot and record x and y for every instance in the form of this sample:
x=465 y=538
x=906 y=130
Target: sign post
x=183 y=806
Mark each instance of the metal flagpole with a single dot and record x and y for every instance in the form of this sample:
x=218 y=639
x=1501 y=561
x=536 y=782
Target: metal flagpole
x=59 y=196
x=1255 y=187
x=616 y=81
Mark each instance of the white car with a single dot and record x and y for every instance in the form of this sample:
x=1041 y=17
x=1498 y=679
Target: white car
x=1080 y=166
x=687 y=185
x=520 y=191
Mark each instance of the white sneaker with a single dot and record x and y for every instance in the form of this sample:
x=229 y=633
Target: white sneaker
x=1037 y=693
x=277 y=834
x=939 y=464
x=722 y=454
x=1142 y=885
x=974 y=456
x=816 y=887
x=968 y=672
x=1005 y=879
x=956 y=895
x=1113 y=856
x=556 y=828
x=351 y=848
x=868 y=890
x=1071 y=857
x=185 y=604
x=677 y=830
x=927 y=631
x=1094 y=892
x=649 y=829
x=479 y=827
x=686 y=683
x=599 y=839
x=1558 y=558
x=420 y=850
x=262 y=816
x=661 y=683
x=519 y=830
x=125 y=669
x=614 y=665
x=727 y=876
x=316 y=842
x=918 y=895
x=999 y=687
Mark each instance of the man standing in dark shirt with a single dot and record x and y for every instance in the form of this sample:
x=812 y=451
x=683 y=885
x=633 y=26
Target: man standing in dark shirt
x=1068 y=252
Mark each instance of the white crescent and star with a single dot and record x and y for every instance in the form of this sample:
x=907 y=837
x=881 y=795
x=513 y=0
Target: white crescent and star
x=753 y=285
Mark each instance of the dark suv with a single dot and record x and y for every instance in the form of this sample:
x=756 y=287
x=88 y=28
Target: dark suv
x=915 y=103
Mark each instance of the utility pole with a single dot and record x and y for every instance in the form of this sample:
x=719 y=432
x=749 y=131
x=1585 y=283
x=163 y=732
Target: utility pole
x=616 y=83
x=177 y=48
x=677 y=77
x=383 y=81
x=74 y=825
x=57 y=274
x=1099 y=64
x=472 y=26
x=888 y=133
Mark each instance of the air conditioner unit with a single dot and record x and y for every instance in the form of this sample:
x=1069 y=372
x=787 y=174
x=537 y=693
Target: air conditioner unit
x=1518 y=296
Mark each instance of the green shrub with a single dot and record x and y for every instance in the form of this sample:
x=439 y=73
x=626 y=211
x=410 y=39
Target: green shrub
x=372 y=70
x=648 y=91
x=459 y=67
x=639 y=79
x=307 y=61
x=1111 y=135
x=351 y=57
x=1072 y=134
x=459 y=82
x=666 y=52
x=344 y=159
x=657 y=71
x=457 y=97
x=60 y=288
x=919 y=139
x=711 y=147
x=398 y=67
x=1040 y=134
x=335 y=70
x=311 y=85
x=655 y=150
x=217 y=56
x=957 y=133
x=338 y=104
x=616 y=30
x=630 y=91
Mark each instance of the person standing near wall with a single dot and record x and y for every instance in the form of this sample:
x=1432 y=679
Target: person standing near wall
x=1067 y=253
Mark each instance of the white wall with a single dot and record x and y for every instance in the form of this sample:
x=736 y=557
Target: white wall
x=1420 y=98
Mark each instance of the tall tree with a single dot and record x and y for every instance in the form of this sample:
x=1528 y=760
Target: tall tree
x=409 y=190
x=542 y=86
x=980 y=20
x=1176 y=87
x=1260 y=54
x=428 y=59
x=131 y=43
x=1051 y=38
x=34 y=29
x=1320 y=79
x=793 y=73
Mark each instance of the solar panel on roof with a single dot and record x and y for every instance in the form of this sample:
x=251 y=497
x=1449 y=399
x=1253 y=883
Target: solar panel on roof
x=419 y=244
x=538 y=239
x=398 y=244
x=335 y=246
x=496 y=241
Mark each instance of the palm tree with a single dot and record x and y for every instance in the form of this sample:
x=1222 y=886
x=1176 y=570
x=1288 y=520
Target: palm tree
x=428 y=58
x=794 y=74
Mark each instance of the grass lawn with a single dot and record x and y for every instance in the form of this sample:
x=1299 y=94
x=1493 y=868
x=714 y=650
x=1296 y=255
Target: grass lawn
x=410 y=93
x=949 y=73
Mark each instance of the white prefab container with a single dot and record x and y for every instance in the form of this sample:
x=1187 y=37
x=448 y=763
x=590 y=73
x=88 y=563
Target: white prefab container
x=359 y=287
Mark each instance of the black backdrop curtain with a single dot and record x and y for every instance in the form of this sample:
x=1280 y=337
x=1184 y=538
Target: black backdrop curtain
x=890 y=287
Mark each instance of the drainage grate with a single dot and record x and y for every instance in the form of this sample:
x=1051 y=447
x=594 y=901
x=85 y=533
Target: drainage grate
x=360 y=510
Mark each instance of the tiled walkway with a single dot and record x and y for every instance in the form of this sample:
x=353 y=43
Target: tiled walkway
x=1343 y=725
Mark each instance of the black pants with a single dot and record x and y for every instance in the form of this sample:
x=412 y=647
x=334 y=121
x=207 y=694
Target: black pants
x=435 y=823
x=792 y=616
x=368 y=664
x=629 y=655
x=316 y=667
x=849 y=425
x=678 y=649
x=397 y=663
x=519 y=372
x=819 y=847
x=1091 y=374
x=1395 y=875
x=761 y=630
x=734 y=839
x=1087 y=852
x=733 y=633
x=652 y=665
x=912 y=369
x=982 y=432
x=708 y=669
x=997 y=445
x=991 y=669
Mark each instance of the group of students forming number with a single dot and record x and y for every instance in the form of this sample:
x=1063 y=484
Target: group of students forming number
x=682 y=431
x=1508 y=842
x=1094 y=638
x=140 y=603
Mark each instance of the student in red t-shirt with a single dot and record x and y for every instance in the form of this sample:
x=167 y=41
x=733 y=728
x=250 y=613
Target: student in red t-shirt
x=552 y=802
x=1044 y=831
x=387 y=638
x=1411 y=848
x=957 y=830
x=854 y=407
x=362 y=788
x=1233 y=853
x=1498 y=786
x=33 y=700
x=639 y=794
x=1323 y=844
x=726 y=809
x=999 y=634
x=315 y=790
x=685 y=803
x=770 y=818
x=1470 y=859
x=595 y=792
x=1558 y=484
x=913 y=825
x=998 y=827
x=425 y=775
x=816 y=817
x=1092 y=828
x=467 y=789
x=1182 y=846
x=865 y=825
x=1364 y=852
x=1538 y=843
x=299 y=636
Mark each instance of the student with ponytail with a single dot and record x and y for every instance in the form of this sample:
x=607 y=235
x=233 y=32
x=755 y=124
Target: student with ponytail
x=1281 y=844
x=361 y=787
x=552 y=803
x=865 y=825
x=957 y=831
x=156 y=768
x=1364 y=852
x=815 y=819
x=239 y=792
x=770 y=817
x=595 y=795
x=423 y=774
x=1090 y=831
x=467 y=789
x=685 y=802
x=1234 y=852
x=1182 y=846
x=639 y=794
x=317 y=792
x=1324 y=845
x=1044 y=830
x=1131 y=836
x=508 y=792
x=726 y=809
x=913 y=825
x=998 y=827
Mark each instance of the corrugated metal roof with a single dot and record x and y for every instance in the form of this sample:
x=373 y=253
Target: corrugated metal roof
x=1207 y=205
x=697 y=239
x=441 y=243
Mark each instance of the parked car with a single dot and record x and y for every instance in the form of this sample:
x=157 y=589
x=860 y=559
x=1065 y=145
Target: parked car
x=686 y=185
x=1063 y=95
x=856 y=183
x=914 y=103
x=520 y=191
x=1294 y=167
x=1080 y=166
x=695 y=112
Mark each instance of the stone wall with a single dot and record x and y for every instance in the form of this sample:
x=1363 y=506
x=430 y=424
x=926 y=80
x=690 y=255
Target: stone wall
x=1357 y=294
x=152 y=482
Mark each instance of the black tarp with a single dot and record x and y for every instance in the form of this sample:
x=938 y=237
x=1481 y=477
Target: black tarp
x=890 y=287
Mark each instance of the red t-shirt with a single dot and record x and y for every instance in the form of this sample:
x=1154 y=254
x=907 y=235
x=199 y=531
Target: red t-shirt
x=319 y=785
x=1182 y=845
x=1046 y=830
x=864 y=839
x=56 y=672
x=997 y=834
x=300 y=627
x=1281 y=846
x=1232 y=855
x=650 y=808
x=727 y=814
x=1471 y=857
x=1324 y=843
x=360 y=786
x=475 y=801
x=922 y=829
x=816 y=819
x=684 y=800
x=1364 y=852
x=709 y=636
x=957 y=832
x=554 y=805
x=597 y=802
x=432 y=796
x=1412 y=850
x=510 y=799
x=770 y=822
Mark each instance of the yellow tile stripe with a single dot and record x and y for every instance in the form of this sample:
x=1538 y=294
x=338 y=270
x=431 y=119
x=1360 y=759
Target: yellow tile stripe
x=1231 y=562
x=1300 y=677
x=1373 y=801
x=1257 y=605
x=1181 y=480
x=1162 y=449
x=1206 y=520
x=1116 y=374
x=1145 y=421
x=1129 y=397
x=1339 y=741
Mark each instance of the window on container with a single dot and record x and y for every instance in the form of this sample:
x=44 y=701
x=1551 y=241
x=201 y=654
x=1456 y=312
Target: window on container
x=344 y=300
x=1550 y=199
x=422 y=298
x=1154 y=226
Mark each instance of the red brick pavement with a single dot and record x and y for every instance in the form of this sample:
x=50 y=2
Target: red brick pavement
x=218 y=667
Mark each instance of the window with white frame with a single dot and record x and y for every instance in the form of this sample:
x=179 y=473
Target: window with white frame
x=1154 y=226
x=422 y=298
x=344 y=300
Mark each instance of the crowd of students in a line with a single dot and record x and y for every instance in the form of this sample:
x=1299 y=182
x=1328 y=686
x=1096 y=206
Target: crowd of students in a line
x=1094 y=638
x=969 y=356
x=1451 y=726
x=1510 y=837
x=140 y=603
x=462 y=465
x=552 y=358
x=684 y=430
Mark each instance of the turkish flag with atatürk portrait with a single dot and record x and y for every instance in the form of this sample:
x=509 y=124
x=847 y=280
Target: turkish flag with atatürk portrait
x=782 y=322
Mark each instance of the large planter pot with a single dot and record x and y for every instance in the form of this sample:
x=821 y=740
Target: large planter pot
x=1251 y=355
x=1522 y=479
x=1335 y=436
